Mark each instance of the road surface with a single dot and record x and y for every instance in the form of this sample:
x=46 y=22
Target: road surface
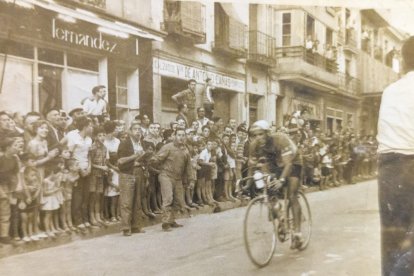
x=345 y=241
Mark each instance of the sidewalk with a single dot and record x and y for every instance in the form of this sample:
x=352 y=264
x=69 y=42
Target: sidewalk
x=21 y=247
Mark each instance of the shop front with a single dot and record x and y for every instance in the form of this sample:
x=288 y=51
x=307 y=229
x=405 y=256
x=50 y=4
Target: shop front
x=49 y=59
x=170 y=77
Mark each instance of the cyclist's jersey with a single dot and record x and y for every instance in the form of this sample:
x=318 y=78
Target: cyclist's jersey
x=277 y=146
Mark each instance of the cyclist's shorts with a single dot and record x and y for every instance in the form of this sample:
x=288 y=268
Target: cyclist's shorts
x=296 y=170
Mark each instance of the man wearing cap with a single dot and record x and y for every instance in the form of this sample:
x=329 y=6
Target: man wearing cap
x=75 y=113
x=55 y=135
x=396 y=170
x=208 y=101
x=187 y=97
x=131 y=180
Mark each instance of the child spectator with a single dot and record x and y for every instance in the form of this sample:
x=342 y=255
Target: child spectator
x=28 y=203
x=111 y=190
x=71 y=180
x=326 y=170
x=206 y=163
x=50 y=198
x=99 y=158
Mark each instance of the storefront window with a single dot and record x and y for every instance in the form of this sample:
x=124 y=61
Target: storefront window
x=170 y=87
x=50 y=87
x=50 y=56
x=16 y=49
x=83 y=62
x=122 y=87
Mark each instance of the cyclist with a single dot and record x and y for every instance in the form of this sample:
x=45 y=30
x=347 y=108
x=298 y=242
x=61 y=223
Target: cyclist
x=279 y=154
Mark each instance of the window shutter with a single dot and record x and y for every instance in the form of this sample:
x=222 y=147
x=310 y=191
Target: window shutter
x=192 y=17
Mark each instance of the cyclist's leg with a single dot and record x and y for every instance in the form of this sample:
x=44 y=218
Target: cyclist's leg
x=293 y=187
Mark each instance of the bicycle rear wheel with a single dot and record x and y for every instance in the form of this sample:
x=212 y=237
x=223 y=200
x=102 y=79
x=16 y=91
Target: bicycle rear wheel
x=305 y=222
x=259 y=231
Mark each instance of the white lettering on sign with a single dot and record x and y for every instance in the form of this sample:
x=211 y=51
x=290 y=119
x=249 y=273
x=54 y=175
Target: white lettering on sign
x=181 y=71
x=82 y=39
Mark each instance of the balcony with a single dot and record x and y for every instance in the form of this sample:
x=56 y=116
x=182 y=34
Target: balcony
x=375 y=75
x=311 y=69
x=185 y=20
x=350 y=42
x=230 y=37
x=262 y=48
x=348 y=84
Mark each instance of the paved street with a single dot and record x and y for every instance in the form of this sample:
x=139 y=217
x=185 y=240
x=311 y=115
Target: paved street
x=345 y=241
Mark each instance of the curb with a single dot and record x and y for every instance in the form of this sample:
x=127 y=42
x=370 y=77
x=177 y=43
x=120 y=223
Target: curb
x=21 y=247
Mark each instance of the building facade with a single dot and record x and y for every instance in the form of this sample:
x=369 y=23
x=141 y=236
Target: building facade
x=265 y=61
x=54 y=53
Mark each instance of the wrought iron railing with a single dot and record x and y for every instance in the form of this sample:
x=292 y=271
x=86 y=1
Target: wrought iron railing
x=262 y=47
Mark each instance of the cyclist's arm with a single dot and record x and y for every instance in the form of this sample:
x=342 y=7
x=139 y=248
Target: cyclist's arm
x=286 y=160
x=287 y=154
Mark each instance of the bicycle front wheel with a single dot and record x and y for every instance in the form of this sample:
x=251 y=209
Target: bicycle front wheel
x=305 y=220
x=259 y=231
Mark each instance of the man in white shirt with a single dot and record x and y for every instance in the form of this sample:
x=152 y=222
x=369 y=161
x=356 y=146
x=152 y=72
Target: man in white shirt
x=79 y=143
x=396 y=169
x=202 y=120
x=96 y=105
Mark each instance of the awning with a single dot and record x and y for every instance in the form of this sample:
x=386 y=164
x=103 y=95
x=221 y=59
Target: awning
x=94 y=19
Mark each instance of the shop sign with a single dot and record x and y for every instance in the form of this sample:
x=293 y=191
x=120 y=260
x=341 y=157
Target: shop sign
x=81 y=39
x=181 y=71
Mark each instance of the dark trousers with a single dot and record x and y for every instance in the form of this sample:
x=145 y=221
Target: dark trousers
x=80 y=201
x=396 y=203
x=131 y=188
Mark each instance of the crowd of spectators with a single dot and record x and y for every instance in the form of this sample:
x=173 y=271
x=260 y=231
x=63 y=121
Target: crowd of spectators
x=66 y=172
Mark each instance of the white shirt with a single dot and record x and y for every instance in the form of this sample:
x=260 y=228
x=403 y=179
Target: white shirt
x=112 y=145
x=396 y=117
x=93 y=107
x=80 y=147
x=201 y=123
x=205 y=156
x=231 y=162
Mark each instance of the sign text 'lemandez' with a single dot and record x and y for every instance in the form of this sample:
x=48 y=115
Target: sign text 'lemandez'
x=95 y=42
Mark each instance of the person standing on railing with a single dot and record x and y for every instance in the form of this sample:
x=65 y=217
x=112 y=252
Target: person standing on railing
x=187 y=97
x=396 y=170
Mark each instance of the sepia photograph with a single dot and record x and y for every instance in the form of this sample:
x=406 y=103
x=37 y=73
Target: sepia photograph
x=202 y=137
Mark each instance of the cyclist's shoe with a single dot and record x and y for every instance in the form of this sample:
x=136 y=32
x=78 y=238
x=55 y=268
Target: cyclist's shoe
x=297 y=241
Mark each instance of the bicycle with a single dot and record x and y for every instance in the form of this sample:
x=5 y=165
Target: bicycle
x=269 y=217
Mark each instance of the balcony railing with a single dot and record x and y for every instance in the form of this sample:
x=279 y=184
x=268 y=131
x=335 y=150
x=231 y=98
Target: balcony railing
x=231 y=38
x=328 y=65
x=349 y=84
x=101 y=4
x=185 y=19
x=262 y=48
